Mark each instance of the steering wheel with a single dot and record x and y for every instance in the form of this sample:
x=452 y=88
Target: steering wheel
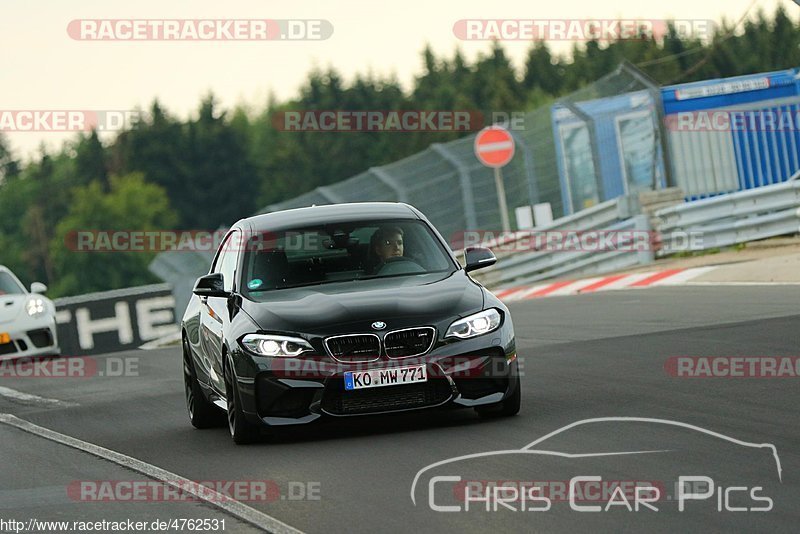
x=398 y=259
x=400 y=265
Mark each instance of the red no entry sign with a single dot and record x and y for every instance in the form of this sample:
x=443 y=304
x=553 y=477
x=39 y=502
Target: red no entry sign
x=494 y=146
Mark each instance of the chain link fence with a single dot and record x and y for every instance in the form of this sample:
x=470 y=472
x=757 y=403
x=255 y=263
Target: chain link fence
x=573 y=154
x=449 y=184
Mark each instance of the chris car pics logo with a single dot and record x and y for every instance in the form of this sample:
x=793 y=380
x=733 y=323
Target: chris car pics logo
x=460 y=484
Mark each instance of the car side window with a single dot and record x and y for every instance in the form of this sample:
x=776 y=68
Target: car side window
x=217 y=263
x=228 y=265
x=226 y=260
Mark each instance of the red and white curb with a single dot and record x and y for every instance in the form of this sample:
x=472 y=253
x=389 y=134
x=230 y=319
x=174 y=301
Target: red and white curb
x=671 y=277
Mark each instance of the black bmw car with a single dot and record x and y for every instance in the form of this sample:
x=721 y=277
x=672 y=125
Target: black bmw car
x=341 y=311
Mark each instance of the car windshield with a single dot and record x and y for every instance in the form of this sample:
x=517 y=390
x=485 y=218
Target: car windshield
x=341 y=253
x=9 y=286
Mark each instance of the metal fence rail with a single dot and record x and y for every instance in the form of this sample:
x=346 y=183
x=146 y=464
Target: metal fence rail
x=518 y=266
x=454 y=190
x=457 y=193
x=731 y=219
x=597 y=217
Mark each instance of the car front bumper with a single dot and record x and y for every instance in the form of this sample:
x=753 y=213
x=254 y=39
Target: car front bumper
x=290 y=391
x=30 y=338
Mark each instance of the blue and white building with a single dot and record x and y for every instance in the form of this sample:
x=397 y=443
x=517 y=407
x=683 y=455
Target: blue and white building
x=723 y=135
x=734 y=134
x=629 y=154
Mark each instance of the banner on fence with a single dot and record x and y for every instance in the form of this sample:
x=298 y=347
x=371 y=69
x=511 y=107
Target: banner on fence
x=113 y=321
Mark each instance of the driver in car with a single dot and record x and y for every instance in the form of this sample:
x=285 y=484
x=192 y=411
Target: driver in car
x=386 y=243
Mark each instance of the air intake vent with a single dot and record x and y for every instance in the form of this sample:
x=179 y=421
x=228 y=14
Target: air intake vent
x=337 y=401
x=410 y=342
x=354 y=348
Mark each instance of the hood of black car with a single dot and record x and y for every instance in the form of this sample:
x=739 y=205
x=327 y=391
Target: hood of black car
x=346 y=307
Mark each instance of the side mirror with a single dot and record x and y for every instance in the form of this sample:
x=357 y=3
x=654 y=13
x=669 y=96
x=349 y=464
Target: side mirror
x=478 y=258
x=210 y=285
x=38 y=287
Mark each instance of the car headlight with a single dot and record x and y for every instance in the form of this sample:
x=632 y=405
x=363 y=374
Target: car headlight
x=277 y=346
x=475 y=325
x=35 y=307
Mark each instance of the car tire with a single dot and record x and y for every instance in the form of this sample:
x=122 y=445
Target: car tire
x=505 y=408
x=202 y=413
x=242 y=431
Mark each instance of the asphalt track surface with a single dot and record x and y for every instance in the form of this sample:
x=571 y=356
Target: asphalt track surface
x=584 y=357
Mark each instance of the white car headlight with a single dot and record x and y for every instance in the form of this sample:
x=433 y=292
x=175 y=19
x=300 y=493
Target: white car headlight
x=475 y=325
x=35 y=307
x=276 y=346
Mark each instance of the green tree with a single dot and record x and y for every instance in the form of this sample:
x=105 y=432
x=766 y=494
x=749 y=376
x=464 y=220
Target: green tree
x=218 y=165
x=495 y=85
x=9 y=165
x=543 y=71
x=221 y=186
x=156 y=147
x=784 y=40
x=91 y=161
x=131 y=204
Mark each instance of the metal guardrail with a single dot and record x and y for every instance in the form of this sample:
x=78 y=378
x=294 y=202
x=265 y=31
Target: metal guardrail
x=734 y=205
x=720 y=221
x=599 y=216
x=530 y=267
x=731 y=219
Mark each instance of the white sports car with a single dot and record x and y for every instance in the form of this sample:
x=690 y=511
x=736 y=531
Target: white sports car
x=27 y=319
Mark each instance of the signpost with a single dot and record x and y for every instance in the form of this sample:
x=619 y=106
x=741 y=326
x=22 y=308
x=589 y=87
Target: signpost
x=494 y=147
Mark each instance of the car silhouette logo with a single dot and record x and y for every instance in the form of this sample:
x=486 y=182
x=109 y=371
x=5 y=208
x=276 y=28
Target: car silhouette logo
x=378 y=325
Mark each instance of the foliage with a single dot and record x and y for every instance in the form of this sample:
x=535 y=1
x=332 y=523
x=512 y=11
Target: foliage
x=130 y=204
x=218 y=166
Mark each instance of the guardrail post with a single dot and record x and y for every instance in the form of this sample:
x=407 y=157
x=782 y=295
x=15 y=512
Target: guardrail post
x=530 y=170
x=466 y=184
x=591 y=126
x=628 y=206
x=332 y=197
x=390 y=182
x=655 y=93
x=641 y=224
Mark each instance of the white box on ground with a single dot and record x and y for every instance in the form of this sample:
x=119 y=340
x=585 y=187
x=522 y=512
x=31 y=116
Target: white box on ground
x=524 y=216
x=543 y=214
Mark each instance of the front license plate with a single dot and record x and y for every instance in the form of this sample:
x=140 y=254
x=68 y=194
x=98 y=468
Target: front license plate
x=5 y=338
x=375 y=378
